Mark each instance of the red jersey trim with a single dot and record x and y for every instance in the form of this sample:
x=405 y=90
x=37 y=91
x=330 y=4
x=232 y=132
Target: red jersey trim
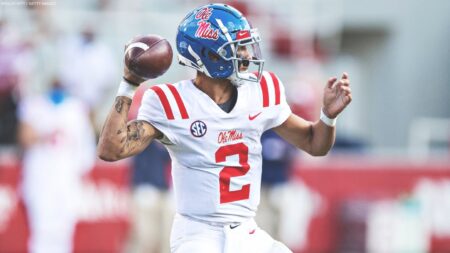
x=181 y=107
x=276 y=85
x=265 y=91
x=164 y=101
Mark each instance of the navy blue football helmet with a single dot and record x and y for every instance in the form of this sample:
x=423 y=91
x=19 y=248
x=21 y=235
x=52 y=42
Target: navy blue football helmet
x=217 y=39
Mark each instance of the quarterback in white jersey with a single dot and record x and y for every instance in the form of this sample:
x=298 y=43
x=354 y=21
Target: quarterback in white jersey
x=216 y=155
x=212 y=126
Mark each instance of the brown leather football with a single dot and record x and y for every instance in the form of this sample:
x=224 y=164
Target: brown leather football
x=147 y=57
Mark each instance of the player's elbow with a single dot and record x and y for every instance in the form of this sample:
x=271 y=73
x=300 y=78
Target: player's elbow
x=314 y=150
x=107 y=158
x=319 y=152
x=105 y=155
x=319 y=148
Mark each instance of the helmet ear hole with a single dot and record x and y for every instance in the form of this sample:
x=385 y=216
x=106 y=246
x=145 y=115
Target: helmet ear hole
x=213 y=56
x=203 y=52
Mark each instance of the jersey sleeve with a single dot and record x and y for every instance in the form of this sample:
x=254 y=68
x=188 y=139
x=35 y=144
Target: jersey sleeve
x=152 y=111
x=274 y=100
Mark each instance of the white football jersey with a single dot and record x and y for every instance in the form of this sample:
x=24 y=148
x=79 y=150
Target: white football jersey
x=66 y=146
x=216 y=156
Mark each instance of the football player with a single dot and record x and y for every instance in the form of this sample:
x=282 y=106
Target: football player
x=58 y=141
x=212 y=125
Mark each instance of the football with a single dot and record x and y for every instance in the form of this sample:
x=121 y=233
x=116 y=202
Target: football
x=147 y=57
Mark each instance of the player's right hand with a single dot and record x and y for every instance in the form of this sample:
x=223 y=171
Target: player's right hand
x=132 y=78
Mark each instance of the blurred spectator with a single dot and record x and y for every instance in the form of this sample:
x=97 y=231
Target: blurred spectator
x=152 y=204
x=152 y=207
x=287 y=205
x=306 y=88
x=305 y=100
x=278 y=156
x=59 y=147
x=87 y=68
x=14 y=66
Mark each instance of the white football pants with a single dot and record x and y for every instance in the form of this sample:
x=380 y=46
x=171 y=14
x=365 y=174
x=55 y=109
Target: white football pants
x=193 y=236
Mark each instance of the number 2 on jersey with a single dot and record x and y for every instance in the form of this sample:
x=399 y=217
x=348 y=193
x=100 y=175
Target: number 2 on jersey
x=228 y=172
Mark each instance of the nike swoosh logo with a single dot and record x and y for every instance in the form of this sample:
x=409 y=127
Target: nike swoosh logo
x=235 y=226
x=252 y=117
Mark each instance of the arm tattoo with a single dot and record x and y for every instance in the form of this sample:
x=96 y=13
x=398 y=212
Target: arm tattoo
x=135 y=136
x=135 y=130
x=119 y=103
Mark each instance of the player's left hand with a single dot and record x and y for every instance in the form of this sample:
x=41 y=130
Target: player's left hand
x=337 y=95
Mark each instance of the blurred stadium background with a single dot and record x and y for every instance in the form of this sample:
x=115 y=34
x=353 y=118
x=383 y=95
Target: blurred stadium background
x=385 y=187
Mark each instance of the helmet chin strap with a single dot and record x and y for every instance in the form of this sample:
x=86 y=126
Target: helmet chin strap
x=238 y=78
x=235 y=80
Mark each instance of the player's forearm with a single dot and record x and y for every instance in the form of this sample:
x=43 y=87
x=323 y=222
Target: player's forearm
x=114 y=133
x=315 y=138
x=322 y=138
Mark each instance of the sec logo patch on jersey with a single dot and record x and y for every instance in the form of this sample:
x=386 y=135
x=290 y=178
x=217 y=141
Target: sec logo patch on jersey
x=198 y=128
